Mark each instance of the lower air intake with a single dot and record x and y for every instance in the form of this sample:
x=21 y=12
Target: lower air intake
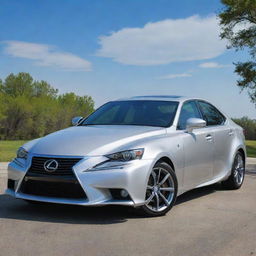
x=69 y=190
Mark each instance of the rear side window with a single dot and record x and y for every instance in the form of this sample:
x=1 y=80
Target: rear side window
x=211 y=114
x=188 y=110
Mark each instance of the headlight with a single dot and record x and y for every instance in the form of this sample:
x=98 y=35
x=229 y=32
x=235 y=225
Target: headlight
x=109 y=165
x=22 y=153
x=127 y=155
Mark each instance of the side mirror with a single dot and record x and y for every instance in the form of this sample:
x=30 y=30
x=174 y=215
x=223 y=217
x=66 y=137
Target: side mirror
x=195 y=123
x=76 y=120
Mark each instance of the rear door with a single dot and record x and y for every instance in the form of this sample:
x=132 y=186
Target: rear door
x=198 y=148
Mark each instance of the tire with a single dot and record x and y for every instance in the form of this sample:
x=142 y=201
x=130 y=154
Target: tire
x=236 y=177
x=161 y=191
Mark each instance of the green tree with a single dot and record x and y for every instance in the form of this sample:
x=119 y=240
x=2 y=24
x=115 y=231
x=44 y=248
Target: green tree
x=31 y=109
x=72 y=105
x=2 y=111
x=42 y=88
x=249 y=126
x=16 y=85
x=238 y=22
x=17 y=117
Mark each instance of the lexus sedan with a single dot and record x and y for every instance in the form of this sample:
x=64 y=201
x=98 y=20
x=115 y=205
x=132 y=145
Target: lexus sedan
x=141 y=152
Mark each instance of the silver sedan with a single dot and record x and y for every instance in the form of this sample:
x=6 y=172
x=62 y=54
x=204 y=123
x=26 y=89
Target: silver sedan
x=141 y=152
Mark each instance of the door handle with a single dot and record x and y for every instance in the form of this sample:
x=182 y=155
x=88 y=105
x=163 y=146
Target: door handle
x=230 y=132
x=208 y=137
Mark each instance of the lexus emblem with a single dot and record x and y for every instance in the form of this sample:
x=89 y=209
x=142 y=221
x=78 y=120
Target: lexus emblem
x=51 y=165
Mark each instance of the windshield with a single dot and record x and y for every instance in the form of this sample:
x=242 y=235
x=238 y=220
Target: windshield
x=145 y=113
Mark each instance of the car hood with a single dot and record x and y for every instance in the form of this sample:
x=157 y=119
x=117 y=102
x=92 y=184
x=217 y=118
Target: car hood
x=92 y=140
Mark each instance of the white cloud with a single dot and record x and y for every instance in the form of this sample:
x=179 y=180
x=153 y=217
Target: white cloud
x=163 y=42
x=45 y=55
x=214 y=65
x=171 y=76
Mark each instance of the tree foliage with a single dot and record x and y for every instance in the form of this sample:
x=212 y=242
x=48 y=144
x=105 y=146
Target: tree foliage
x=238 y=22
x=249 y=126
x=31 y=109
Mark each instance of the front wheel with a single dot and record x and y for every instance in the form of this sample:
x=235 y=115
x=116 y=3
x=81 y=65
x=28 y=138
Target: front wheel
x=236 y=177
x=161 y=190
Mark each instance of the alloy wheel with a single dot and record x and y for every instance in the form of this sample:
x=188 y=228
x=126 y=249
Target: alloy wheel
x=160 y=190
x=239 y=169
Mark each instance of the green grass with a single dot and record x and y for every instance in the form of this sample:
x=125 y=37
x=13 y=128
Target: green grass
x=8 y=149
x=251 y=148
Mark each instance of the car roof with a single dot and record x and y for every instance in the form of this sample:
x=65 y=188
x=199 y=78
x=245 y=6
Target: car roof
x=159 y=97
x=176 y=98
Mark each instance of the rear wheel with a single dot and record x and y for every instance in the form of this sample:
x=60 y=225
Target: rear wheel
x=161 y=190
x=236 y=178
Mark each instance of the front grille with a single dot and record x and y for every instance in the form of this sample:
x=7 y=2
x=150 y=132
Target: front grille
x=69 y=190
x=61 y=183
x=64 y=166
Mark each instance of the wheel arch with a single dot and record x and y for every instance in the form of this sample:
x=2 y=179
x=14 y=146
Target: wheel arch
x=167 y=160
x=241 y=150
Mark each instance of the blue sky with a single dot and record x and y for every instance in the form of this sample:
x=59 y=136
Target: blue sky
x=112 y=49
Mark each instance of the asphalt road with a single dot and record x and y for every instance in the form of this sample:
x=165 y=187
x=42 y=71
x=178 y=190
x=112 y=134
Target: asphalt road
x=207 y=221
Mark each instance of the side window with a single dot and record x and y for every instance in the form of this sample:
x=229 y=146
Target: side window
x=188 y=110
x=211 y=114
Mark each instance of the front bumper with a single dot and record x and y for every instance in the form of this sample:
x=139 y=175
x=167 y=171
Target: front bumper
x=97 y=185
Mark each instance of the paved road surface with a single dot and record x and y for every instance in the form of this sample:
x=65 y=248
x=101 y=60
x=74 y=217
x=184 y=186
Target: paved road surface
x=207 y=221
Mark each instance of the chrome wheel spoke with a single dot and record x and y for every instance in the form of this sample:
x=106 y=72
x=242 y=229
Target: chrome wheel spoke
x=237 y=178
x=241 y=176
x=163 y=197
x=154 y=177
x=150 y=187
x=150 y=198
x=164 y=179
x=170 y=189
x=157 y=201
x=241 y=170
x=158 y=177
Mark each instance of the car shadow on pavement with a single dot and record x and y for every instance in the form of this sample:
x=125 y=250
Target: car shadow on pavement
x=198 y=192
x=11 y=208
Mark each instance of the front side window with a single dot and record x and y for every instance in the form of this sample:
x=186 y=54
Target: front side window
x=211 y=114
x=134 y=112
x=188 y=110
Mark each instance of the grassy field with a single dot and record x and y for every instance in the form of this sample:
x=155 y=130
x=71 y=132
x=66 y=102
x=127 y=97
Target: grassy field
x=8 y=149
x=251 y=148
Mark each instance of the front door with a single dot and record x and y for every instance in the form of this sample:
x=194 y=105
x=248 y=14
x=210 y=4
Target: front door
x=198 y=148
x=198 y=152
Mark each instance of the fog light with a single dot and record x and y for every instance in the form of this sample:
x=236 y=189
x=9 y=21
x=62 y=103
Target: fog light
x=124 y=193
x=119 y=194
